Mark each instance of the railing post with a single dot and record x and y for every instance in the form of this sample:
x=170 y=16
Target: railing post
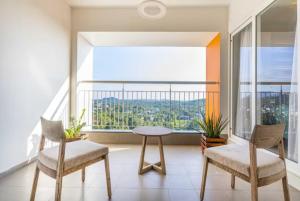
x=280 y=99
x=123 y=99
x=170 y=105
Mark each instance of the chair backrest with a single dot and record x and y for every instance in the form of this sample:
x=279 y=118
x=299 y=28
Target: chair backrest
x=52 y=130
x=267 y=136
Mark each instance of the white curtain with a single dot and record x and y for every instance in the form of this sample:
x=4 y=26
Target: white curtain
x=243 y=107
x=293 y=127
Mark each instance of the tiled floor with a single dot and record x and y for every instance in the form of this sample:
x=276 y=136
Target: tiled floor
x=184 y=166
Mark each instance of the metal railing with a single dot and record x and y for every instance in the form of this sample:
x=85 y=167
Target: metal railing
x=123 y=105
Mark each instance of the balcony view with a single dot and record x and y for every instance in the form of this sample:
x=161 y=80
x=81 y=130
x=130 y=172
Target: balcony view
x=122 y=102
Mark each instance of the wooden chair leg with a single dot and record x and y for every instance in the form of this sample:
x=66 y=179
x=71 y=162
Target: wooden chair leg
x=204 y=175
x=253 y=172
x=254 y=190
x=285 y=189
x=83 y=174
x=35 y=182
x=58 y=188
x=232 y=181
x=107 y=171
x=60 y=170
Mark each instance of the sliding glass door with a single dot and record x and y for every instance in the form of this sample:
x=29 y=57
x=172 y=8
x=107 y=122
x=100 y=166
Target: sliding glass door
x=275 y=102
x=264 y=85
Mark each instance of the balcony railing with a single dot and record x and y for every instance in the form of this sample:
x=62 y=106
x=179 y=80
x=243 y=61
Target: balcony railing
x=123 y=105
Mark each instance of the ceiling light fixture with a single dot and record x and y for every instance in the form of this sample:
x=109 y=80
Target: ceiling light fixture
x=152 y=9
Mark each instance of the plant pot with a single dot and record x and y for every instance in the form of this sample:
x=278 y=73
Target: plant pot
x=206 y=142
x=82 y=136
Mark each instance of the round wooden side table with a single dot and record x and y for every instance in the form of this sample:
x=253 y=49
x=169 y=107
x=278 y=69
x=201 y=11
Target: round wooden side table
x=152 y=131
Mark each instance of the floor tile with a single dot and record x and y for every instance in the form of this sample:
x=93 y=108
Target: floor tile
x=182 y=183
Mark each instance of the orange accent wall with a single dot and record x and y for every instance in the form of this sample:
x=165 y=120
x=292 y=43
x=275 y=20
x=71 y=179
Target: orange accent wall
x=213 y=56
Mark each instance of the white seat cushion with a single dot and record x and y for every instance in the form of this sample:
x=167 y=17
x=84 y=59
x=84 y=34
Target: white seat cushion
x=237 y=158
x=76 y=153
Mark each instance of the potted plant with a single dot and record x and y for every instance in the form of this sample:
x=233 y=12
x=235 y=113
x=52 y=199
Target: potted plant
x=212 y=126
x=73 y=133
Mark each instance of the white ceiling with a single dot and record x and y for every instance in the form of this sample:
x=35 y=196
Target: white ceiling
x=184 y=39
x=134 y=3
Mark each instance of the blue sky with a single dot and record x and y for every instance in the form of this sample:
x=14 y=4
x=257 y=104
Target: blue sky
x=181 y=64
x=275 y=64
x=150 y=63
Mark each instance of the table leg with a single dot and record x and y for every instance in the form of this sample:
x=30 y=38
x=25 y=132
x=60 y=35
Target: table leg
x=143 y=154
x=159 y=166
x=162 y=157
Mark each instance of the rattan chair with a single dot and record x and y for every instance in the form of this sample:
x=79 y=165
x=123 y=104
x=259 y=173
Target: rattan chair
x=68 y=157
x=252 y=164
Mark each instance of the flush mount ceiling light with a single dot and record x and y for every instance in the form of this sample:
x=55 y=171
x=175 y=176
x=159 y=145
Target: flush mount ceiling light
x=152 y=9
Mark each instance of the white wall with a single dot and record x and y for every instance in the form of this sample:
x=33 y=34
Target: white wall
x=34 y=64
x=85 y=61
x=241 y=10
x=185 y=19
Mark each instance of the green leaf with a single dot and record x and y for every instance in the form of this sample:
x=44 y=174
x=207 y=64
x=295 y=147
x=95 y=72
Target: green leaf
x=212 y=125
x=75 y=126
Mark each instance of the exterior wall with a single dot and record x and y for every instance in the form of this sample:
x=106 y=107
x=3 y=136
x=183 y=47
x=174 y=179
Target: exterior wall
x=213 y=55
x=34 y=64
x=186 y=19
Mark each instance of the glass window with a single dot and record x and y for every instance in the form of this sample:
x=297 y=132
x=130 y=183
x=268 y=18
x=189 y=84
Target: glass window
x=242 y=82
x=276 y=28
